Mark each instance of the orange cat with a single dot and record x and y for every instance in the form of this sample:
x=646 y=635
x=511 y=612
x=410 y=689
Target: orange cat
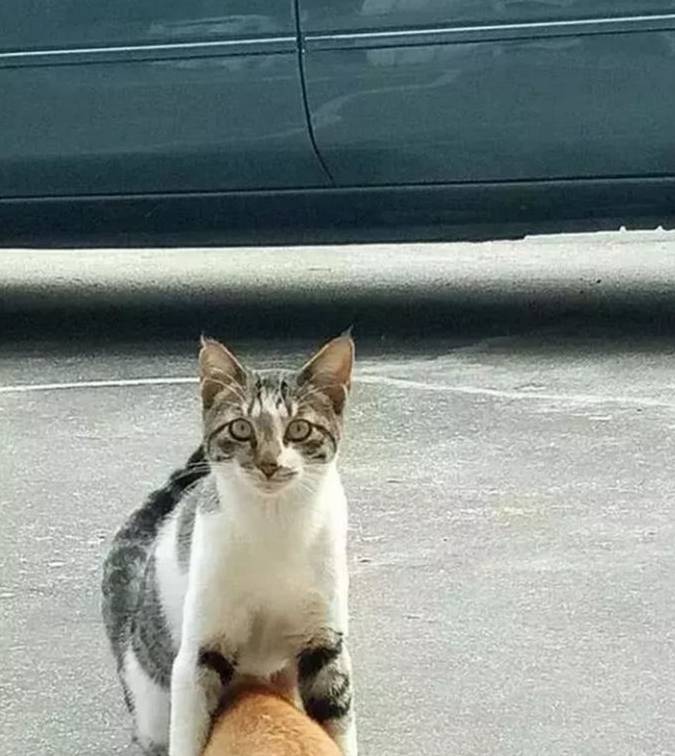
x=259 y=721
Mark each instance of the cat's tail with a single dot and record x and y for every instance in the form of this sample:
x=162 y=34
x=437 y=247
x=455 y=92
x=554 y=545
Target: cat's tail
x=124 y=567
x=144 y=523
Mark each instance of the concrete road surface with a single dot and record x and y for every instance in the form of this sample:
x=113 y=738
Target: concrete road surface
x=509 y=465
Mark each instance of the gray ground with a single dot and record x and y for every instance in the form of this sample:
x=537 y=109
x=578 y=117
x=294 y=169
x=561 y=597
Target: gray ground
x=508 y=465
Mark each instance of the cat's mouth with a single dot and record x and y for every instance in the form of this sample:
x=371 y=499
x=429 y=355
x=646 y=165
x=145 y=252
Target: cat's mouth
x=276 y=482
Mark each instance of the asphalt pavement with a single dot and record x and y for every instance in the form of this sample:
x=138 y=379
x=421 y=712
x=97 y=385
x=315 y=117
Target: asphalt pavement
x=508 y=464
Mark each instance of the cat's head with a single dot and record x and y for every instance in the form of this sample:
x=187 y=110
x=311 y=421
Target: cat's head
x=274 y=429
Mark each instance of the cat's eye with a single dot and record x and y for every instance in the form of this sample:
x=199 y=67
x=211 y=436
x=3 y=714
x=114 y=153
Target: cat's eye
x=240 y=429
x=298 y=430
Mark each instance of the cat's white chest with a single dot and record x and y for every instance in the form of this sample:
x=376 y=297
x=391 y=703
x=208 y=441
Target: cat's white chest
x=277 y=608
x=264 y=583
x=272 y=641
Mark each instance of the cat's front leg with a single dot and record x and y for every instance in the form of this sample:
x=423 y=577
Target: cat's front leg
x=198 y=680
x=325 y=679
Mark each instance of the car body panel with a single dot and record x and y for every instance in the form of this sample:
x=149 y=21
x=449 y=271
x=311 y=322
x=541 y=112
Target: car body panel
x=532 y=100
x=33 y=25
x=205 y=124
x=432 y=212
x=111 y=113
x=340 y=16
x=368 y=119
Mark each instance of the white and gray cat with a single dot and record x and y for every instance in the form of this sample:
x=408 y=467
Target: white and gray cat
x=238 y=565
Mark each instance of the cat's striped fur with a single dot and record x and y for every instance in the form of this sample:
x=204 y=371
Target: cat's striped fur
x=238 y=566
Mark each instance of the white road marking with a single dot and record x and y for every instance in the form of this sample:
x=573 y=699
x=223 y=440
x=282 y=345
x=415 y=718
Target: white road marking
x=583 y=399
x=25 y=388
x=638 y=401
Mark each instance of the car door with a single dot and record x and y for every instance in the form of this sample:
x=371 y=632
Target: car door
x=143 y=96
x=436 y=91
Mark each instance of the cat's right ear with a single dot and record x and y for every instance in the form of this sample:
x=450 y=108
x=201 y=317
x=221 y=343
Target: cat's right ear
x=330 y=370
x=219 y=370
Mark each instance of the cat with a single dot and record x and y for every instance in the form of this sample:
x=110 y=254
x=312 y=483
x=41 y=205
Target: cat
x=238 y=565
x=260 y=720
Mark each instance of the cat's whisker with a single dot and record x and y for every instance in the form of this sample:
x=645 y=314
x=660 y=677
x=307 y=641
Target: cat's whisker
x=232 y=387
x=306 y=487
x=235 y=405
x=205 y=468
x=307 y=392
x=197 y=465
x=237 y=390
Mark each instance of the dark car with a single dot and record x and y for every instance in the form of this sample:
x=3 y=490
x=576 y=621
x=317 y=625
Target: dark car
x=326 y=118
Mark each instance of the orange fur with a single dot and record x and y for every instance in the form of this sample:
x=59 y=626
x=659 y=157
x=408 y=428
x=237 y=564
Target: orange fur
x=259 y=721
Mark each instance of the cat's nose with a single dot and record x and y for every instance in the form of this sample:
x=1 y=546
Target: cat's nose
x=268 y=468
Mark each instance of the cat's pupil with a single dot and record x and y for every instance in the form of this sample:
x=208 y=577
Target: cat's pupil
x=298 y=430
x=241 y=430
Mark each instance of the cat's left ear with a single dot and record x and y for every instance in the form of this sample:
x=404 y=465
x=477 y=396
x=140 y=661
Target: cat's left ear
x=330 y=370
x=219 y=369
